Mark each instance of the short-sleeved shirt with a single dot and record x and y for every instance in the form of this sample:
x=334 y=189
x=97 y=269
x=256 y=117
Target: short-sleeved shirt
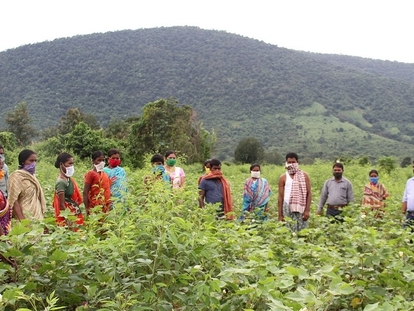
x=175 y=176
x=66 y=186
x=336 y=193
x=409 y=194
x=213 y=189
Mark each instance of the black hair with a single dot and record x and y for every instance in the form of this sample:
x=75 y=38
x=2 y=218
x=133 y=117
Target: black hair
x=113 y=151
x=169 y=152
x=24 y=155
x=340 y=165
x=96 y=154
x=207 y=162
x=254 y=165
x=215 y=162
x=62 y=158
x=1 y=147
x=373 y=171
x=292 y=155
x=157 y=158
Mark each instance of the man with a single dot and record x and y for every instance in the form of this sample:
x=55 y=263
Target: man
x=214 y=188
x=336 y=193
x=4 y=172
x=408 y=202
x=295 y=194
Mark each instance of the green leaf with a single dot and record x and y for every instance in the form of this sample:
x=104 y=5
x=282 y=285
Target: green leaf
x=58 y=255
x=371 y=307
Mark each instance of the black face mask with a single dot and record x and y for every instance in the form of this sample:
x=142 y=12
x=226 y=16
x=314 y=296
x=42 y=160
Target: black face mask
x=337 y=175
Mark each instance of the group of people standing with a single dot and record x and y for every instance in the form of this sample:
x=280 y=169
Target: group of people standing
x=21 y=195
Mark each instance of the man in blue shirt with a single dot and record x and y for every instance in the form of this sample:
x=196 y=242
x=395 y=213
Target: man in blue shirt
x=408 y=202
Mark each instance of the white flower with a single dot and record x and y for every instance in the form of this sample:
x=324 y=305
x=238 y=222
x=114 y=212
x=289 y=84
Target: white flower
x=401 y=254
x=363 y=216
x=198 y=267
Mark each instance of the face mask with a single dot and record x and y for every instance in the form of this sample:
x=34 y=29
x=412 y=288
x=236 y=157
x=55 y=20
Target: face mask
x=171 y=162
x=337 y=175
x=292 y=168
x=158 y=169
x=216 y=173
x=374 y=180
x=255 y=174
x=207 y=170
x=70 y=170
x=99 y=167
x=114 y=162
x=30 y=168
x=2 y=157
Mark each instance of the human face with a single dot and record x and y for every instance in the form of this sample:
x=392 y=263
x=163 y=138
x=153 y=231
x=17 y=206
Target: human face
x=172 y=156
x=98 y=160
x=157 y=163
x=68 y=163
x=115 y=156
x=215 y=168
x=373 y=174
x=291 y=160
x=31 y=159
x=256 y=169
x=1 y=152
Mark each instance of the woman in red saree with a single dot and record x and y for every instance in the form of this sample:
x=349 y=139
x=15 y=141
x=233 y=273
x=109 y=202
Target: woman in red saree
x=97 y=188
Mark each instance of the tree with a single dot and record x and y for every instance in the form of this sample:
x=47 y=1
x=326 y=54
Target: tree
x=73 y=117
x=387 y=164
x=165 y=125
x=8 y=140
x=18 y=122
x=249 y=150
x=406 y=162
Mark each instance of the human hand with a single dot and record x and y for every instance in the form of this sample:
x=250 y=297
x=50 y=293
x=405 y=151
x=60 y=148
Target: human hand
x=305 y=215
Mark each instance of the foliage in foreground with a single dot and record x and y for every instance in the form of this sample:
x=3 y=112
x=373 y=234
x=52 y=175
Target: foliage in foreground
x=166 y=254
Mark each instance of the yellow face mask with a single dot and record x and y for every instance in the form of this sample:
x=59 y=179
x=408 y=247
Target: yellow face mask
x=1 y=174
x=207 y=170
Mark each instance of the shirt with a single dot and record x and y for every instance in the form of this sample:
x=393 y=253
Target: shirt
x=213 y=189
x=336 y=193
x=409 y=194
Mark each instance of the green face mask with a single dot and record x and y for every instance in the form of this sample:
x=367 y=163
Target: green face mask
x=171 y=162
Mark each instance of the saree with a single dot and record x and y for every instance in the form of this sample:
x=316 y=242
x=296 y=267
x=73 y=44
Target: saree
x=256 y=194
x=26 y=190
x=374 y=195
x=227 y=201
x=100 y=191
x=73 y=199
x=118 y=182
x=6 y=212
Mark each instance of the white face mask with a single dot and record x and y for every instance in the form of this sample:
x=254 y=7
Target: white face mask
x=70 y=170
x=99 y=167
x=255 y=174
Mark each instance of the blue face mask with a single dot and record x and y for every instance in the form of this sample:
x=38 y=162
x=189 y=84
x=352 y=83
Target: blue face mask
x=374 y=180
x=158 y=169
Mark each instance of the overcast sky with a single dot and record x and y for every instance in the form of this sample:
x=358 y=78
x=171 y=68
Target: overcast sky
x=373 y=29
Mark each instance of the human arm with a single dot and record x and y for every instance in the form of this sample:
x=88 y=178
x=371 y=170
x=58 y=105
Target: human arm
x=201 y=197
x=86 y=189
x=182 y=179
x=323 y=198
x=350 y=193
x=282 y=180
x=306 y=212
x=18 y=211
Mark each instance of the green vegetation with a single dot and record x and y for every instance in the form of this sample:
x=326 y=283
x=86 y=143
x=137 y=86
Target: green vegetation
x=238 y=86
x=165 y=253
x=249 y=150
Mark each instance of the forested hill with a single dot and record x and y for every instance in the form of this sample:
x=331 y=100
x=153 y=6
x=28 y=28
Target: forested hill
x=239 y=86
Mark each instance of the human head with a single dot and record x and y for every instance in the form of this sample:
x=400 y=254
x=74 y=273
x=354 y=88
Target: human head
x=26 y=157
x=64 y=160
x=292 y=157
x=255 y=167
x=1 y=150
x=157 y=159
x=215 y=165
x=170 y=158
x=207 y=163
x=338 y=166
x=97 y=157
x=373 y=173
x=114 y=153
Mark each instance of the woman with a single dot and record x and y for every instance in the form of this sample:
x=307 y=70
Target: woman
x=374 y=194
x=67 y=194
x=5 y=215
x=25 y=193
x=116 y=175
x=256 y=194
x=176 y=173
x=97 y=188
